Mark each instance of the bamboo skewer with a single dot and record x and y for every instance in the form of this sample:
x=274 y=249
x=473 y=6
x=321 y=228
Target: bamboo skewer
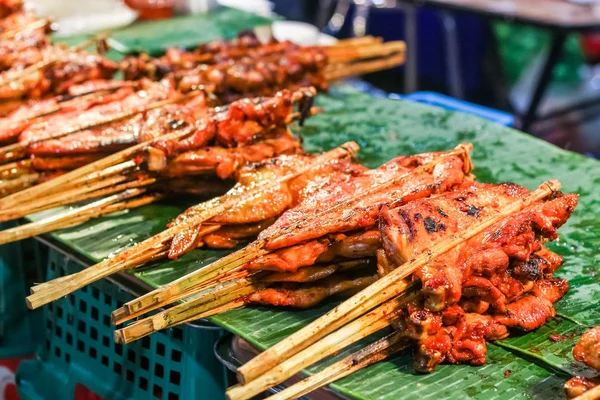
x=57 y=288
x=40 y=23
x=362 y=327
x=93 y=168
x=347 y=54
x=235 y=260
x=363 y=67
x=372 y=354
x=378 y=292
x=78 y=215
x=199 y=307
x=592 y=394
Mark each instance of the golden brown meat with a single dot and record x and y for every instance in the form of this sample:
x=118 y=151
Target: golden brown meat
x=409 y=230
x=290 y=295
x=579 y=385
x=338 y=206
x=587 y=350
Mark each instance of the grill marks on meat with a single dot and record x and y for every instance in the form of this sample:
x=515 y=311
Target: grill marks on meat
x=498 y=280
x=587 y=350
x=488 y=254
x=340 y=208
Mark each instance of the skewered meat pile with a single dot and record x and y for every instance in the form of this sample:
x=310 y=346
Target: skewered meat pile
x=498 y=280
x=217 y=142
x=312 y=262
x=32 y=67
x=247 y=67
x=348 y=233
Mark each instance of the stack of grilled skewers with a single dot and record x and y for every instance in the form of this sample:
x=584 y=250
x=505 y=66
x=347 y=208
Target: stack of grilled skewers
x=98 y=118
x=447 y=262
x=246 y=67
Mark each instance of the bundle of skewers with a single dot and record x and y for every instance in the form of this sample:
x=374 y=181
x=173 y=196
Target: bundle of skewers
x=178 y=147
x=248 y=67
x=94 y=120
x=34 y=68
x=263 y=193
x=444 y=261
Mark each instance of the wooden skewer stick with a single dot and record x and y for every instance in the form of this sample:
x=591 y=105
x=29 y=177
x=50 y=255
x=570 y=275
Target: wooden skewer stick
x=235 y=260
x=40 y=23
x=342 y=55
x=77 y=215
x=57 y=288
x=372 y=354
x=103 y=188
x=199 y=307
x=370 y=323
x=364 y=67
x=380 y=291
x=93 y=168
x=592 y=394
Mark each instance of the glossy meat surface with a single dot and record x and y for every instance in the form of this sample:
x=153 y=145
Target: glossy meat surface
x=409 y=230
x=353 y=202
x=587 y=350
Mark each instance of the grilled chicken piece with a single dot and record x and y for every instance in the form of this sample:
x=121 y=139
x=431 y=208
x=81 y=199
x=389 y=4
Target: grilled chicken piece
x=409 y=230
x=587 y=350
x=290 y=295
x=340 y=212
x=72 y=69
x=79 y=98
x=270 y=203
x=149 y=93
x=8 y=7
x=579 y=385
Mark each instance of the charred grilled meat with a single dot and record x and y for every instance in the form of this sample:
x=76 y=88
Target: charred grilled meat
x=496 y=281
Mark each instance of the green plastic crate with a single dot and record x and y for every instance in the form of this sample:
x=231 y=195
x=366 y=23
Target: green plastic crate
x=19 y=267
x=78 y=349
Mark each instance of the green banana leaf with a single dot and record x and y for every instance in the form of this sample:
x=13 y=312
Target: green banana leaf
x=525 y=366
x=153 y=37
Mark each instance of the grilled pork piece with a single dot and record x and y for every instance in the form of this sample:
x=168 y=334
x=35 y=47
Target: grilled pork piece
x=8 y=7
x=498 y=280
x=412 y=229
x=587 y=350
x=579 y=385
x=240 y=68
x=74 y=67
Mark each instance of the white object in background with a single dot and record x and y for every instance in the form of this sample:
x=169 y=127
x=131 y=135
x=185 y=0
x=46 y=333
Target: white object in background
x=84 y=16
x=300 y=33
x=194 y=6
x=260 y=7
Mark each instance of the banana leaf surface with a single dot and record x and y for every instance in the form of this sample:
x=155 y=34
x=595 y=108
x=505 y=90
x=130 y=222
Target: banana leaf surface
x=153 y=37
x=524 y=366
